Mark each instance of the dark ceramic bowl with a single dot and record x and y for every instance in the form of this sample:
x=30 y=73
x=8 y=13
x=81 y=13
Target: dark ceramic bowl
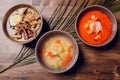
x=6 y=24
x=54 y=33
x=108 y=13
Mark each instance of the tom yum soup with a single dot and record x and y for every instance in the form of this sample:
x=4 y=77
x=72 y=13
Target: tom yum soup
x=94 y=27
x=57 y=52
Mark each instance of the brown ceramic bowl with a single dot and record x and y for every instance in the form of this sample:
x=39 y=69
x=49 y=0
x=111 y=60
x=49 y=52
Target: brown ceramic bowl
x=6 y=25
x=108 y=13
x=54 y=33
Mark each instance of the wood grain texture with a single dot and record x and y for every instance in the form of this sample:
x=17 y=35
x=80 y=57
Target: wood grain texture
x=93 y=63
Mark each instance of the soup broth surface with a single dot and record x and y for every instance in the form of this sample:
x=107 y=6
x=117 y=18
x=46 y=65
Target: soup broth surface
x=94 y=27
x=57 y=51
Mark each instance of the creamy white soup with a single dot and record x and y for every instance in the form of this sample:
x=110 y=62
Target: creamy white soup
x=57 y=51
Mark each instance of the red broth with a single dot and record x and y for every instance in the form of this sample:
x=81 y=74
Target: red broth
x=104 y=34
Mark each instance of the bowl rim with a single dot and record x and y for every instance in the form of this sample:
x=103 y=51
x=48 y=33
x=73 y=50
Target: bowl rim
x=6 y=16
x=61 y=33
x=111 y=17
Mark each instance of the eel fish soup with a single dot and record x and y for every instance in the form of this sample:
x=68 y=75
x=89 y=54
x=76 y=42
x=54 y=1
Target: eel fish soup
x=24 y=24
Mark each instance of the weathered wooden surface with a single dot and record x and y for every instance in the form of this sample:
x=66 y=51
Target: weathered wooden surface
x=93 y=63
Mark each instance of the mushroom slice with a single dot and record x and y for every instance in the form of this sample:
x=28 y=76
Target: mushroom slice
x=97 y=37
x=93 y=17
x=91 y=28
x=98 y=27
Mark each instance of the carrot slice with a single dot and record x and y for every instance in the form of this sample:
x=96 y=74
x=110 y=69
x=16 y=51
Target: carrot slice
x=67 y=60
x=50 y=55
x=69 y=57
x=64 y=63
x=43 y=51
x=58 y=41
x=70 y=48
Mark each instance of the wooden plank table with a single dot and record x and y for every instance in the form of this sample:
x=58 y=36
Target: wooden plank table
x=93 y=63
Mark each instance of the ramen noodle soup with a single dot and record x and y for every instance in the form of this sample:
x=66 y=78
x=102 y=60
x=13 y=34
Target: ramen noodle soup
x=57 y=52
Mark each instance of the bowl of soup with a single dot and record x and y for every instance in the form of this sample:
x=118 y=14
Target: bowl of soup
x=22 y=23
x=96 y=26
x=57 y=51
